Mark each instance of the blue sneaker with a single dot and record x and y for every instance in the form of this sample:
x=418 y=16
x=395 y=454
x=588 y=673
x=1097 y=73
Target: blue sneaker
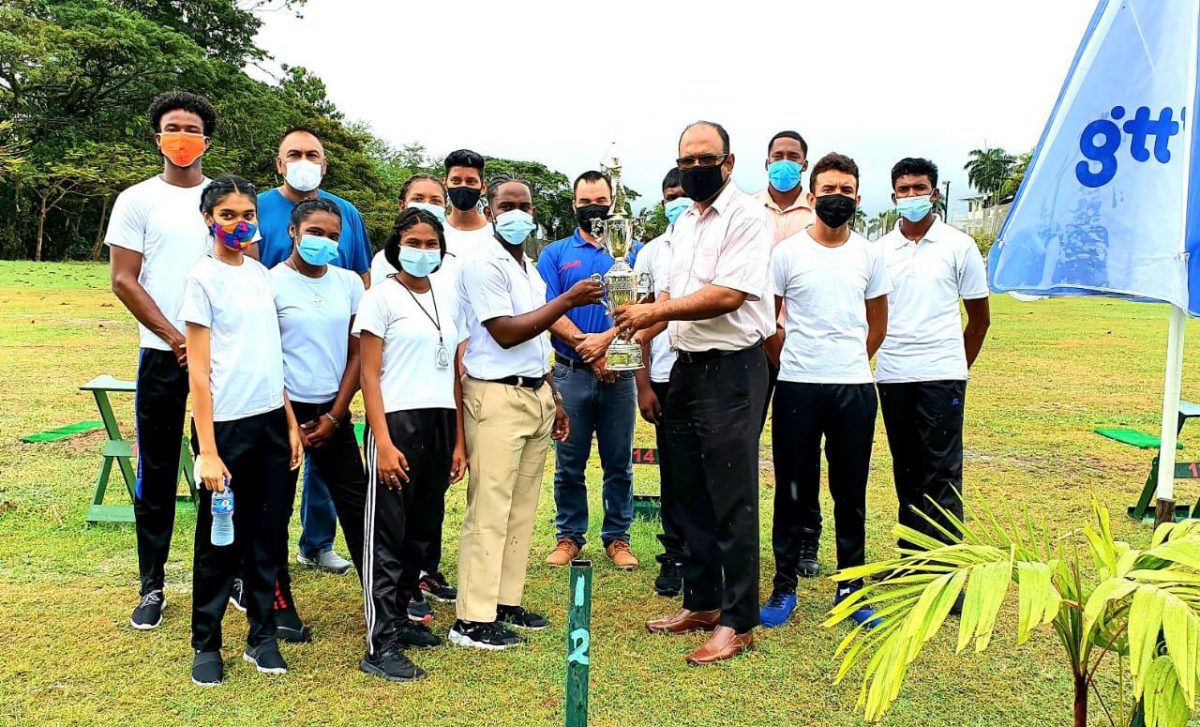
x=864 y=616
x=778 y=609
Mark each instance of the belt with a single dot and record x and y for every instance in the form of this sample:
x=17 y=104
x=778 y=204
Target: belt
x=525 y=382
x=692 y=357
x=570 y=362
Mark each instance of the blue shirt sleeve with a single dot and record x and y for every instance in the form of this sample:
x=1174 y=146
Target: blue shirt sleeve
x=360 y=252
x=548 y=268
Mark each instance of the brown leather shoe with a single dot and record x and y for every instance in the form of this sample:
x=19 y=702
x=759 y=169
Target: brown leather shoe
x=725 y=643
x=563 y=553
x=684 y=621
x=621 y=556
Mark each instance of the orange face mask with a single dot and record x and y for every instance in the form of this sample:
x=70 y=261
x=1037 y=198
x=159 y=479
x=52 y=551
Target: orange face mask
x=182 y=149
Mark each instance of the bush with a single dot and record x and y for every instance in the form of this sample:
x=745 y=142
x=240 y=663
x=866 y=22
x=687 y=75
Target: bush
x=984 y=242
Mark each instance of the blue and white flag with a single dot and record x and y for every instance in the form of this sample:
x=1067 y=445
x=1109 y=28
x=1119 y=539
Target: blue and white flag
x=1108 y=205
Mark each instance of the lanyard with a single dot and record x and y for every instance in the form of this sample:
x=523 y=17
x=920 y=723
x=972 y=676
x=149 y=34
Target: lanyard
x=437 y=322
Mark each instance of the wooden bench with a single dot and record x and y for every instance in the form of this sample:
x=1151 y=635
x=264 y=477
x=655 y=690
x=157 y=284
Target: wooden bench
x=1144 y=509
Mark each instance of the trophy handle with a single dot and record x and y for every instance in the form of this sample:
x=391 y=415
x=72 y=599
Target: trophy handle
x=598 y=229
x=599 y=280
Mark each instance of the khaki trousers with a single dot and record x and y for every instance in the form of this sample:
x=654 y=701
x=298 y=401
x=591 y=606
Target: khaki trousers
x=508 y=433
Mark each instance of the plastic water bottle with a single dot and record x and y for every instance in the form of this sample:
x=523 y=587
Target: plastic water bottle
x=222 y=517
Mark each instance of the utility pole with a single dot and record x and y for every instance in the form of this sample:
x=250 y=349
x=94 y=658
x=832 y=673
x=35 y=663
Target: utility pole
x=947 y=201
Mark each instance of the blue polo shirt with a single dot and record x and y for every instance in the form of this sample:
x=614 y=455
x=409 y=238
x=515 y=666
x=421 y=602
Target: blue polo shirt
x=563 y=264
x=275 y=214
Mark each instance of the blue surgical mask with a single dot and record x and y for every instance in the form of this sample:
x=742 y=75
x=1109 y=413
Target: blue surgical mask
x=514 y=226
x=318 y=250
x=784 y=174
x=914 y=209
x=419 y=263
x=436 y=210
x=675 y=208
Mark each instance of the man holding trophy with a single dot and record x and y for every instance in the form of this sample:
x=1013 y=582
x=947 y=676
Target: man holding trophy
x=719 y=311
x=598 y=398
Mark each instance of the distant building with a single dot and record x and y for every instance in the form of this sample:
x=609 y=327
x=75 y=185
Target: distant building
x=979 y=218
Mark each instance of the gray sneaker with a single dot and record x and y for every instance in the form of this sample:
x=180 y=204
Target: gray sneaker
x=328 y=561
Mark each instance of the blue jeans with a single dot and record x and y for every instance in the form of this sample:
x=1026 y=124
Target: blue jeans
x=318 y=518
x=609 y=411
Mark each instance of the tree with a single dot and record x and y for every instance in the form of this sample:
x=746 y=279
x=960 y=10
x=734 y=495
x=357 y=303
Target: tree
x=1144 y=605
x=988 y=170
x=1016 y=176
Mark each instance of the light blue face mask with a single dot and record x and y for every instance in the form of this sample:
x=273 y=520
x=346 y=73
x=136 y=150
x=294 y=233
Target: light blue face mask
x=419 y=263
x=784 y=174
x=914 y=209
x=433 y=209
x=675 y=208
x=318 y=251
x=514 y=226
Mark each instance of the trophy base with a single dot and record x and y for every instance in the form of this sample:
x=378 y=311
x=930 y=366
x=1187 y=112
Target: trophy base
x=624 y=357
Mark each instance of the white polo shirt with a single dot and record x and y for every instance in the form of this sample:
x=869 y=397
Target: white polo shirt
x=729 y=245
x=164 y=224
x=825 y=290
x=492 y=286
x=925 y=330
x=470 y=244
x=655 y=258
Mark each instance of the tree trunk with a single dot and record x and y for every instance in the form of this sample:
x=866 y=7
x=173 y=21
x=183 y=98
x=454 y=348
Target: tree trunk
x=1081 y=700
x=41 y=230
x=98 y=245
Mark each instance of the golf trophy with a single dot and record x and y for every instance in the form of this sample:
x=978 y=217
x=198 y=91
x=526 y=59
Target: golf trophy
x=621 y=285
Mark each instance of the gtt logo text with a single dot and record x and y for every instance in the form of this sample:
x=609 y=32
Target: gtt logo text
x=1100 y=140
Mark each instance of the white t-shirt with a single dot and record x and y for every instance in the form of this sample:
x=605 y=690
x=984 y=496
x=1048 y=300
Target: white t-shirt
x=381 y=269
x=925 y=337
x=246 y=358
x=411 y=377
x=655 y=258
x=493 y=286
x=314 y=325
x=467 y=245
x=825 y=290
x=163 y=223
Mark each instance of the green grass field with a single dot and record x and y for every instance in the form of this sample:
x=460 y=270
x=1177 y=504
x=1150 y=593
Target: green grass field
x=1050 y=373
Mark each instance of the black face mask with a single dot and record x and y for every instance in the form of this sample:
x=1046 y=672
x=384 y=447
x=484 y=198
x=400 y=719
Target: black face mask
x=835 y=210
x=701 y=183
x=463 y=198
x=584 y=215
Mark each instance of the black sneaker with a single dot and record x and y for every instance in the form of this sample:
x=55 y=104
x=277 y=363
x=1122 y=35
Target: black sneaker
x=266 y=658
x=412 y=635
x=289 y=627
x=148 y=614
x=237 y=596
x=518 y=617
x=391 y=664
x=436 y=587
x=670 y=579
x=491 y=636
x=419 y=610
x=207 y=669
x=809 y=566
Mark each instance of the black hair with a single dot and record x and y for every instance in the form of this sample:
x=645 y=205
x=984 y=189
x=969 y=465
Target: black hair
x=419 y=178
x=307 y=207
x=464 y=158
x=916 y=167
x=299 y=130
x=223 y=186
x=592 y=176
x=721 y=132
x=499 y=180
x=182 y=101
x=788 y=135
x=832 y=162
x=405 y=221
x=672 y=179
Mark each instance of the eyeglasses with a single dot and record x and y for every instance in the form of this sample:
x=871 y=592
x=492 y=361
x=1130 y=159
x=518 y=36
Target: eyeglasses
x=707 y=160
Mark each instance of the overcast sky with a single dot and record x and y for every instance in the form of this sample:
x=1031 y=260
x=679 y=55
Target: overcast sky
x=558 y=81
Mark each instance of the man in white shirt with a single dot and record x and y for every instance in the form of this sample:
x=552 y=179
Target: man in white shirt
x=510 y=412
x=719 y=309
x=468 y=231
x=155 y=235
x=834 y=286
x=652 y=382
x=922 y=365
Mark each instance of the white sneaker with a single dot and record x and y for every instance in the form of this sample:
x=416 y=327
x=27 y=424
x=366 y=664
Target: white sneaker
x=328 y=561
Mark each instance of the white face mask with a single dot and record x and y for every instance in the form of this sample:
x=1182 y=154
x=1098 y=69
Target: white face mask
x=303 y=175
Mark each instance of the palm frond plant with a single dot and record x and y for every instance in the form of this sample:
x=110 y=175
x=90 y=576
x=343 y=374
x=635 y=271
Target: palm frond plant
x=1142 y=605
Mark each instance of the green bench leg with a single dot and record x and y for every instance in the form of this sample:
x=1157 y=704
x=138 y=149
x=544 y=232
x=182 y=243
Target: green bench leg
x=1144 y=508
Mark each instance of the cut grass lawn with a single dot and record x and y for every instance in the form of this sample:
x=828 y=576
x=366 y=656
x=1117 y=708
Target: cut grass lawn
x=1051 y=372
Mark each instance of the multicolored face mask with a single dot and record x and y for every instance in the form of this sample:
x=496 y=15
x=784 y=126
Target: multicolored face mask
x=235 y=236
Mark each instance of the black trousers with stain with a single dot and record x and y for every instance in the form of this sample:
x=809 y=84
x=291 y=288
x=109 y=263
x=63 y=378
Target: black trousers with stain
x=672 y=530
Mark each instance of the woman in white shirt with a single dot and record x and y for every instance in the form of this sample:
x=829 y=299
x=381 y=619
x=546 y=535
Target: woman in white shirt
x=243 y=428
x=420 y=191
x=410 y=329
x=316 y=302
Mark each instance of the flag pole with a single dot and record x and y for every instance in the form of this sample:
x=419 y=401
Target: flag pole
x=1165 y=510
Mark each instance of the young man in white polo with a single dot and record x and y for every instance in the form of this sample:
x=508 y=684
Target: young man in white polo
x=922 y=365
